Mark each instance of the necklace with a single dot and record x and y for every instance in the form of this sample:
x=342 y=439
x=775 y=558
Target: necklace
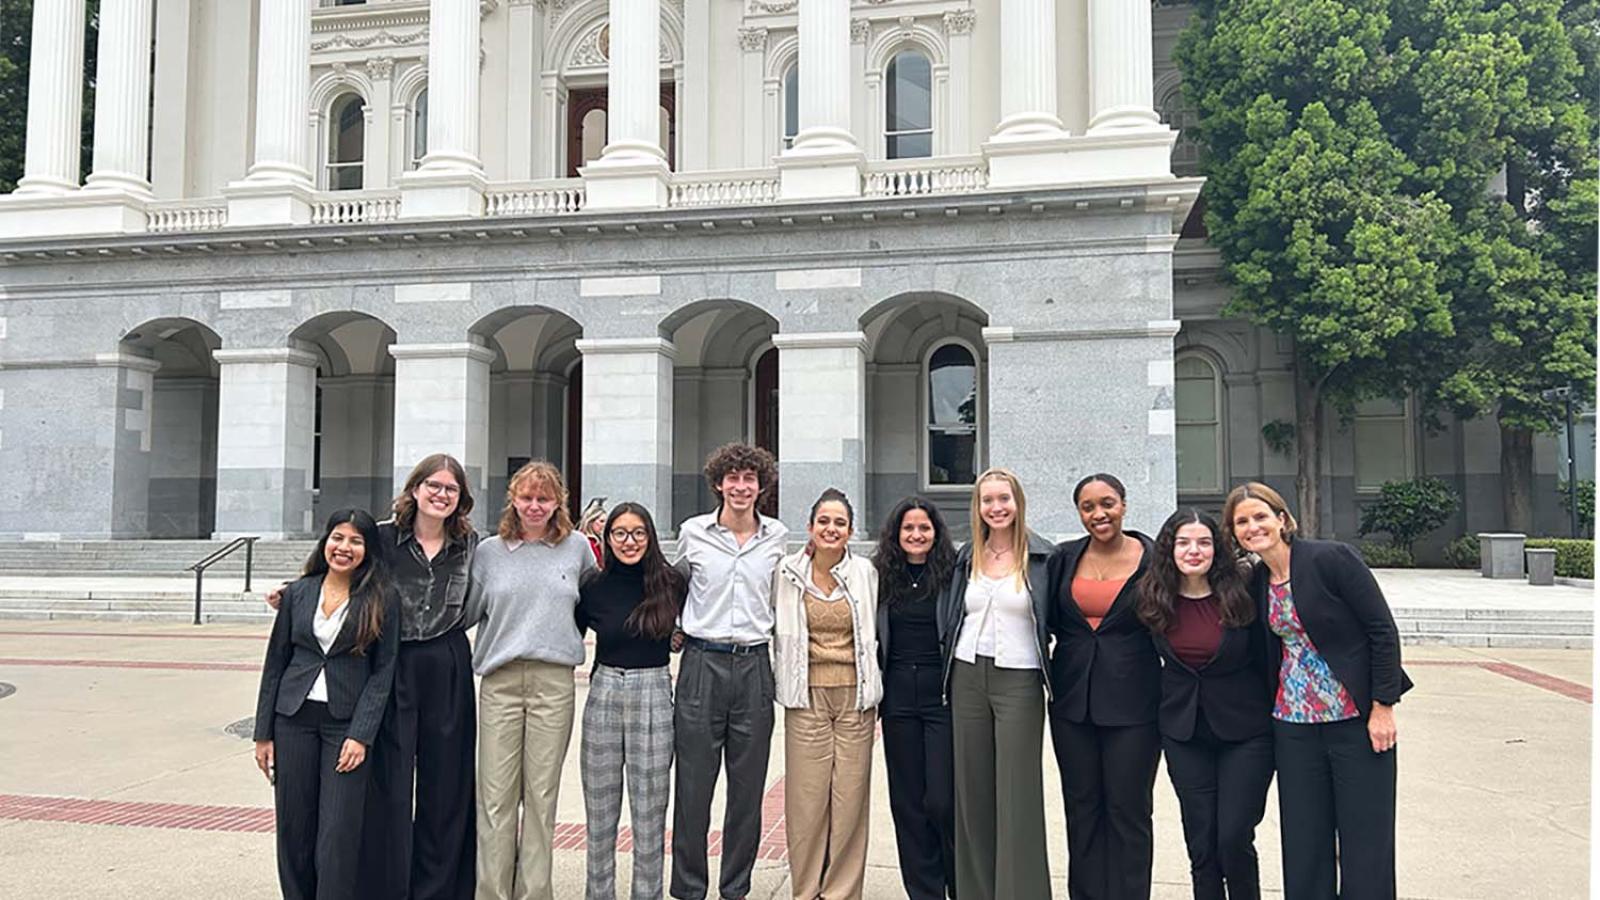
x=1002 y=553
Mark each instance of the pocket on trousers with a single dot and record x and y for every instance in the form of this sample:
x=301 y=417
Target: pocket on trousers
x=691 y=674
x=769 y=684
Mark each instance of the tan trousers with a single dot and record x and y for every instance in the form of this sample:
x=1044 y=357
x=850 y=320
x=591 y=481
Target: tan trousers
x=827 y=753
x=524 y=725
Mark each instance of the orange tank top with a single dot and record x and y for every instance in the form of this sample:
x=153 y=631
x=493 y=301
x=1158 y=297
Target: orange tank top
x=1094 y=598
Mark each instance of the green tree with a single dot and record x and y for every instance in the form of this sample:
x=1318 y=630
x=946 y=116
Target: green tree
x=1350 y=145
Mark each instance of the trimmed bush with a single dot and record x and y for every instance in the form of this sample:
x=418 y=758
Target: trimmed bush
x=1386 y=556
x=1463 y=552
x=1574 y=558
x=1407 y=510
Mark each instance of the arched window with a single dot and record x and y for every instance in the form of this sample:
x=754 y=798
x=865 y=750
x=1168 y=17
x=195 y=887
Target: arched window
x=1177 y=112
x=952 y=420
x=1198 y=398
x=347 y=134
x=419 y=129
x=791 y=105
x=908 y=122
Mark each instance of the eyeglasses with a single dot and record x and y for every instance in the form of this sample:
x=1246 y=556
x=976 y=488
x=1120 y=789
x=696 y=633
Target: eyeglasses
x=435 y=487
x=637 y=536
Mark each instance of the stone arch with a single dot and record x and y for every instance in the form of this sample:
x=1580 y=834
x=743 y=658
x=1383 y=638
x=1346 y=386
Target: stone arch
x=177 y=424
x=582 y=20
x=918 y=36
x=353 y=409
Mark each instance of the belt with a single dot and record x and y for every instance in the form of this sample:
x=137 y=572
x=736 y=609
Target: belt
x=719 y=647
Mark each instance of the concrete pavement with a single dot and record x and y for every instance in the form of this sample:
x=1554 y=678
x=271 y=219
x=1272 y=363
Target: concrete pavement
x=120 y=777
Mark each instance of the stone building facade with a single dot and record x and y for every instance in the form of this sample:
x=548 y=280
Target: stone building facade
x=322 y=240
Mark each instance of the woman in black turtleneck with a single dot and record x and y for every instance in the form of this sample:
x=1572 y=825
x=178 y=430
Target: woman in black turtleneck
x=631 y=606
x=915 y=559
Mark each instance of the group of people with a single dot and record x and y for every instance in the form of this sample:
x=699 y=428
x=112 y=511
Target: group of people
x=1237 y=649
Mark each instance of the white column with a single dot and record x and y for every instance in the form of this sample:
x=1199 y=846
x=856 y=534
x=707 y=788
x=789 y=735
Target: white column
x=525 y=43
x=866 y=105
x=450 y=182
x=1121 y=95
x=958 y=31
x=1028 y=146
x=694 y=101
x=822 y=419
x=627 y=421
x=265 y=422
x=760 y=129
x=825 y=160
x=122 y=98
x=55 y=98
x=441 y=405
x=277 y=190
x=376 y=155
x=632 y=171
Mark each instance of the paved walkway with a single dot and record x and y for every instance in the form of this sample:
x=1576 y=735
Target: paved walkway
x=120 y=776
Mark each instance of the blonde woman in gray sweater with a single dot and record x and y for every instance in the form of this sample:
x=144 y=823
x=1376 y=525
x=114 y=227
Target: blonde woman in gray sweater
x=523 y=592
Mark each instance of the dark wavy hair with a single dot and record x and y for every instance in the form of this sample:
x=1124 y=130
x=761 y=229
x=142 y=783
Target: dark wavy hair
x=459 y=524
x=894 y=578
x=664 y=586
x=738 y=457
x=1158 y=589
x=369 y=583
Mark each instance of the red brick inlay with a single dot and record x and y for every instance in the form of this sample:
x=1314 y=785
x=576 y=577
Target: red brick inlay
x=1562 y=686
x=135 y=634
x=179 y=665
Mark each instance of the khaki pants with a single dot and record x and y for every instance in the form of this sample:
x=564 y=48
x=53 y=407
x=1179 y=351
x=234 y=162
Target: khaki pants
x=524 y=725
x=827 y=752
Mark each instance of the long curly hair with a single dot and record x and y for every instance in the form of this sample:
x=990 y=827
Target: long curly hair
x=664 y=586
x=1158 y=589
x=369 y=583
x=894 y=578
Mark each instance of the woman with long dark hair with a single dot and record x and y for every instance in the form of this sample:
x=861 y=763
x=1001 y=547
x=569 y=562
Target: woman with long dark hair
x=1107 y=682
x=632 y=606
x=1216 y=700
x=1336 y=657
x=915 y=559
x=324 y=685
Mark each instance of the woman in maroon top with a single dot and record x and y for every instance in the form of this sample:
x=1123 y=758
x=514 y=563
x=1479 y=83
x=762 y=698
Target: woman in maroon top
x=1216 y=701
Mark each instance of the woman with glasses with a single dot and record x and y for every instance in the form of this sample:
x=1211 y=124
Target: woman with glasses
x=632 y=606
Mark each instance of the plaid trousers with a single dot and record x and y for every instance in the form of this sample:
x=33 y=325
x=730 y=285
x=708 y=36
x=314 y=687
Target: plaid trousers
x=627 y=726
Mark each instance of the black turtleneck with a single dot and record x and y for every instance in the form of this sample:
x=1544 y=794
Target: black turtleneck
x=604 y=604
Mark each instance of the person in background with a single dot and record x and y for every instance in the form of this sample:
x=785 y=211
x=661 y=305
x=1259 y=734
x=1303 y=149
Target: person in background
x=1107 y=682
x=1216 y=700
x=591 y=524
x=523 y=596
x=1337 y=655
x=324 y=684
x=915 y=560
x=825 y=657
x=632 y=607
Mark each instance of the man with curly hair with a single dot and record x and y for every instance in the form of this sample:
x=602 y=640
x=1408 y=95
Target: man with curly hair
x=725 y=683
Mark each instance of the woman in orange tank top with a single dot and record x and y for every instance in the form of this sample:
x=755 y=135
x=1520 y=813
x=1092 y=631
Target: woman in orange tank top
x=1107 y=686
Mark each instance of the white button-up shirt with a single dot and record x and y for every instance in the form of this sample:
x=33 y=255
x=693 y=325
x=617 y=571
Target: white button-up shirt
x=730 y=587
x=999 y=624
x=326 y=628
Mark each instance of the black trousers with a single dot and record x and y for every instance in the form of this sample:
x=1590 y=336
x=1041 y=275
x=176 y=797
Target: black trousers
x=919 y=755
x=1222 y=794
x=319 y=810
x=425 y=749
x=1336 y=802
x=722 y=714
x=1108 y=777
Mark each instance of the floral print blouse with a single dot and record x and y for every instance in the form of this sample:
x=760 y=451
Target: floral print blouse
x=1308 y=691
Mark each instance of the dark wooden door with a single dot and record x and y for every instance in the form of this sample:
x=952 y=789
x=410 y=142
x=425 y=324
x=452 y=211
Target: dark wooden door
x=582 y=101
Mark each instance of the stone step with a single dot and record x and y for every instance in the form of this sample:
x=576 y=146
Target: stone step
x=1496 y=626
x=1501 y=641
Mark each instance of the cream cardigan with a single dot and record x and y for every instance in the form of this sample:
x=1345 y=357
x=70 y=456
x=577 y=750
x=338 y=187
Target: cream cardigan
x=791 y=643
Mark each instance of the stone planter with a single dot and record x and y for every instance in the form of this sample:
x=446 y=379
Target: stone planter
x=1541 y=567
x=1500 y=554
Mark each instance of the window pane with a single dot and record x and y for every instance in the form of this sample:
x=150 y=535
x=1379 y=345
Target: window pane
x=1191 y=367
x=1380 y=451
x=910 y=80
x=1196 y=400
x=349 y=130
x=1197 y=458
x=344 y=177
x=951 y=456
x=910 y=146
x=952 y=387
x=594 y=134
x=419 y=127
x=791 y=103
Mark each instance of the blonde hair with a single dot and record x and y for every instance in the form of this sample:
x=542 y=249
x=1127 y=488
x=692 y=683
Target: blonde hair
x=1255 y=490
x=537 y=474
x=1019 y=527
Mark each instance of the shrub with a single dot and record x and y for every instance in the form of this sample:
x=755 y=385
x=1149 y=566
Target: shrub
x=1585 y=504
x=1407 y=510
x=1463 y=552
x=1386 y=556
x=1574 y=558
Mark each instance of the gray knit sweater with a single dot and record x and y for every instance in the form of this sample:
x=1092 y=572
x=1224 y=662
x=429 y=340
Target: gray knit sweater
x=521 y=598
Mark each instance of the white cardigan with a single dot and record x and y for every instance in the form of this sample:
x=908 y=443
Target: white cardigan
x=791 y=644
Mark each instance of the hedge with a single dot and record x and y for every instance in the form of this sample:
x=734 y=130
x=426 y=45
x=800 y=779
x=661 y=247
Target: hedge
x=1574 y=558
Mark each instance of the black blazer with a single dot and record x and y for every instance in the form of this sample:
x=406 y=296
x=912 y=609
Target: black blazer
x=358 y=686
x=1344 y=613
x=952 y=612
x=1234 y=688
x=1109 y=675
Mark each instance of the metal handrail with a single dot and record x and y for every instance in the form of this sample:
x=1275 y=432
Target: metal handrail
x=199 y=568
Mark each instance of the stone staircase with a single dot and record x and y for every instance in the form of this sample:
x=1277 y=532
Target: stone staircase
x=1505 y=628
x=272 y=559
